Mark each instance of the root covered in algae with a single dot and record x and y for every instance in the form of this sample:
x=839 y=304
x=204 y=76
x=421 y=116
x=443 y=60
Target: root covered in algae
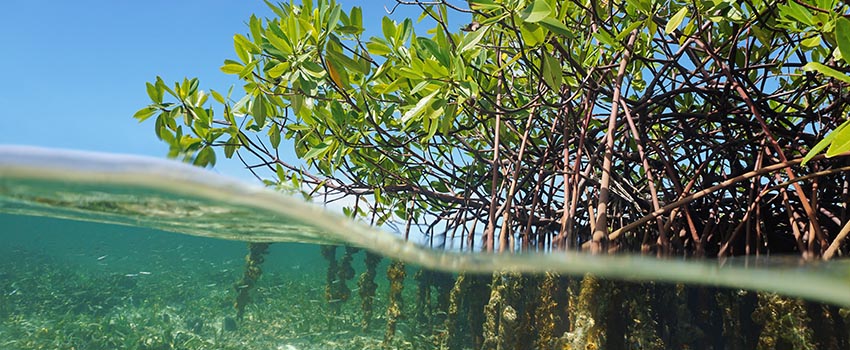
x=253 y=260
x=333 y=287
x=345 y=272
x=423 y=296
x=395 y=275
x=450 y=336
x=367 y=286
x=550 y=311
x=784 y=322
x=501 y=315
x=428 y=312
x=512 y=311
x=587 y=316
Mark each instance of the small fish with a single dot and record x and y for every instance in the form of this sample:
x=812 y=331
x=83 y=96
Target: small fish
x=211 y=285
x=144 y=273
x=102 y=257
x=132 y=275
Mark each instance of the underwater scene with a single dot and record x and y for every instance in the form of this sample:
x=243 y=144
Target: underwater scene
x=116 y=252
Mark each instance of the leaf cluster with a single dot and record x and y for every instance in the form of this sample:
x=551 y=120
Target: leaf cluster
x=504 y=125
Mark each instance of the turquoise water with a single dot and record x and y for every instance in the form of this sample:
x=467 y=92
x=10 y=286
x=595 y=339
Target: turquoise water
x=105 y=252
x=69 y=284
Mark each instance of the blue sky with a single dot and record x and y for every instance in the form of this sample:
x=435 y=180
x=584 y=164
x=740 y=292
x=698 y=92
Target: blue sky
x=75 y=71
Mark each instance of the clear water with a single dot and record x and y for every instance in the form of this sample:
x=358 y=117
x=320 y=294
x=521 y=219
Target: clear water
x=108 y=252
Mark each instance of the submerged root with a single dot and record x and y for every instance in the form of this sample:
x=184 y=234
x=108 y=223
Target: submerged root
x=345 y=272
x=642 y=331
x=253 y=260
x=331 y=292
x=546 y=317
x=587 y=311
x=450 y=337
x=501 y=317
x=367 y=285
x=395 y=275
x=784 y=322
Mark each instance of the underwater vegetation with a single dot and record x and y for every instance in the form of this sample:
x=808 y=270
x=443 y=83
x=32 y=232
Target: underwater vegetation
x=508 y=310
x=46 y=303
x=169 y=292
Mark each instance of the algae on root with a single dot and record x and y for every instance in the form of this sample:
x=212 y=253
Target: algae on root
x=587 y=329
x=395 y=274
x=332 y=291
x=252 y=273
x=367 y=286
x=422 y=310
x=546 y=317
x=785 y=323
x=450 y=337
x=501 y=318
x=344 y=273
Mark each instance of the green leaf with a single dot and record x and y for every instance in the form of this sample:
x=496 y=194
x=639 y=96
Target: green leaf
x=256 y=28
x=278 y=69
x=333 y=19
x=797 y=12
x=316 y=151
x=160 y=85
x=642 y=6
x=483 y=5
x=556 y=26
x=274 y=135
x=432 y=47
x=842 y=36
x=813 y=41
x=827 y=140
x=154 y=93
x=246 y=71
x=217 y=96
x=205 y=157
x=144 y=113
x=840 y=142
x=433 y=123
x=258 y=110
x=820 y=68
x=417 y=110
x=281 y=174
x=448 y=118
x=628 y=30
x=231 y=67
x=244 y=48
x=603 y=37
x=532 y=34
x=230 y=147
x=472 y=39
x=357 y=17
x=279 y=43
x=377 y=46
x=552 y=74
x=676 y=20
x=389 y=29
x=536 y=12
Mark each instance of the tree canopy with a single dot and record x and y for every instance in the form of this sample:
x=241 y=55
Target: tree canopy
x=636 y=125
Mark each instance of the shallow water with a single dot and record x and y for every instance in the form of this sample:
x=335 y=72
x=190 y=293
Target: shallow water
x=104 y=251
